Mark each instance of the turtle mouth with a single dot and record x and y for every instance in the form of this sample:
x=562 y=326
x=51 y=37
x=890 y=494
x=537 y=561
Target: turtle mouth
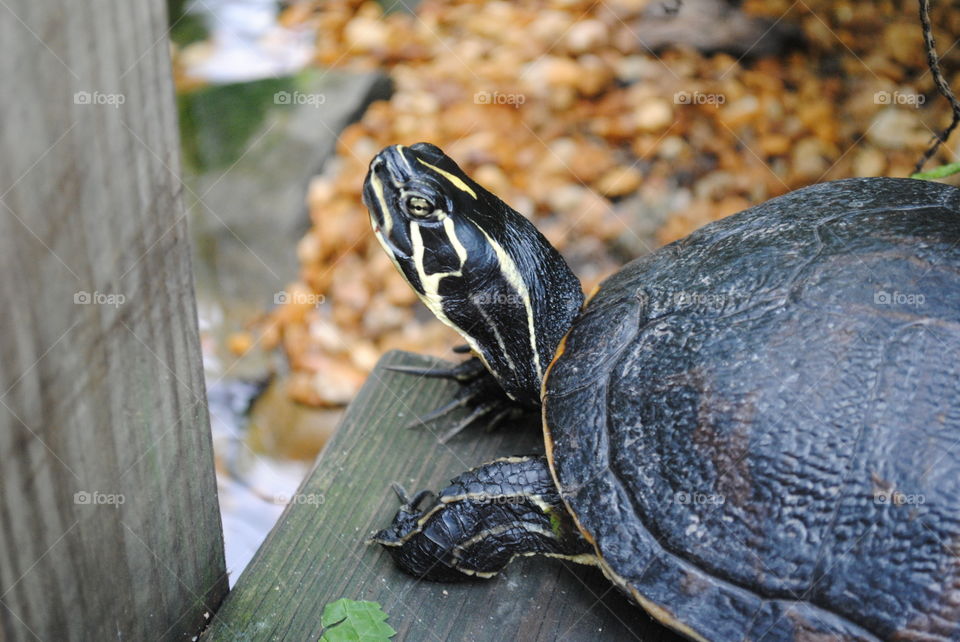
x=371 y=202
x=383 y=182
x=389 y=173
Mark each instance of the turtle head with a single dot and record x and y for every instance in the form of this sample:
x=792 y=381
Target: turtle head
x=480 y=266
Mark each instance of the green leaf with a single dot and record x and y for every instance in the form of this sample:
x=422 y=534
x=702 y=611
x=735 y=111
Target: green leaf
x=938 y=172
x=352 y=621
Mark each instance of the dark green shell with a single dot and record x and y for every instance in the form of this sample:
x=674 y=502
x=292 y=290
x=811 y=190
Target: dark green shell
x=759 y=425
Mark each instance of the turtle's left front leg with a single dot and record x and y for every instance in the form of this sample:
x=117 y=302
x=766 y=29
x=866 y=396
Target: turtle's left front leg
x=479 y=392
x=485 y=518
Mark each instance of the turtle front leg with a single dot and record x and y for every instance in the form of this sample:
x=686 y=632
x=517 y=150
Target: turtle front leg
x=481 y=521
x=479 y=392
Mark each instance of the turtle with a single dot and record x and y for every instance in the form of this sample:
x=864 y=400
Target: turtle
x=753 y=431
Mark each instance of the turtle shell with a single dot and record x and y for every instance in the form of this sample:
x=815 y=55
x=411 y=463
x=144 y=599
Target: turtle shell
x=758 y=426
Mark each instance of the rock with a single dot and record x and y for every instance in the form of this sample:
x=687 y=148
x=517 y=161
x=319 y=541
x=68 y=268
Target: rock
x=382 y=316
x=681 y=222
x=653 y=115
x=714 y=186
x=808 y=160
x=240 y=342
x=619 y=181
x=904 y=43
x=554 y=71
x=295 y=301
x=594 y=75
x=566 y=199
x=492 y=178
x=365 y=355
x=320 y=190
x=335 y=383
x=672 y=147
x=819 y=117
x=740 y=111
x=350 y=289
x=418 y=102
x=325 y=335
x=635 y=68
x=550 y=26
x=895 y=128
x=869 y=161
x=589 y=162
x=309 y=249
x=397 y=291
x=586 y=35
x=282 y=428
x=774 y=145
x=366 y=34
x=730 y=205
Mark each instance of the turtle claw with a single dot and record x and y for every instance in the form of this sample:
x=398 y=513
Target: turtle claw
x=479 y=391
x=405 y=500
x=401 y=493
x=461 y=425
x=445 y=409
x=481 y=412
x=508 y=412
x=468 y=371
x=405 y=520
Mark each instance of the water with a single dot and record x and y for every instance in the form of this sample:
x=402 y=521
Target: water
x=253 y=488
x=246 y=42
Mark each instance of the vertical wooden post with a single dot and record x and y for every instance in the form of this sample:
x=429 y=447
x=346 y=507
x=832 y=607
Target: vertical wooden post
x=109 y=527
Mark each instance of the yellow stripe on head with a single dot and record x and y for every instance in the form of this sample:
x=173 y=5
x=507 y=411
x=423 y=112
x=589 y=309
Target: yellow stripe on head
x=453 y=178
x=385 y=211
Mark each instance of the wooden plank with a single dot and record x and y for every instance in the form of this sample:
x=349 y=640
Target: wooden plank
x=109 y=526
x=316 y=553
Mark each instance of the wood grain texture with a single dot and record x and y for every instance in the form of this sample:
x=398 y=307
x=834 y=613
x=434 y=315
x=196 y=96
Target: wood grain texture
x=101 y=385
x=316 y=553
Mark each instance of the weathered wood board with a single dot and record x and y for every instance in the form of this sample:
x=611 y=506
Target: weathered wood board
x=316 y=553
x=109 y=525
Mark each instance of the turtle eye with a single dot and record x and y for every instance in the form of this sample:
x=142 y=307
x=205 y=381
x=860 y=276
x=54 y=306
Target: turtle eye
x=418 y=207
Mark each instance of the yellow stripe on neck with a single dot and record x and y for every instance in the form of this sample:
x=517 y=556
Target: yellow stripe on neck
x=453 y=178
x=508 y=268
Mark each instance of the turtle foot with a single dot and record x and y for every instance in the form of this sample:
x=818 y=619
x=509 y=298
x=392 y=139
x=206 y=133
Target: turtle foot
x=486 y=517
x=479 y=392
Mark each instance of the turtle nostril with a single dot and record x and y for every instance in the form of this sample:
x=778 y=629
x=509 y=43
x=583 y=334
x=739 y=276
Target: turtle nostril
x=376 y=164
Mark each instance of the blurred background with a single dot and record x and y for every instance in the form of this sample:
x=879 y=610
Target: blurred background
x=616 y=126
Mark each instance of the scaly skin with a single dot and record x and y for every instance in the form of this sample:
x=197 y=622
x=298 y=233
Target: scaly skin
x=481 y=521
